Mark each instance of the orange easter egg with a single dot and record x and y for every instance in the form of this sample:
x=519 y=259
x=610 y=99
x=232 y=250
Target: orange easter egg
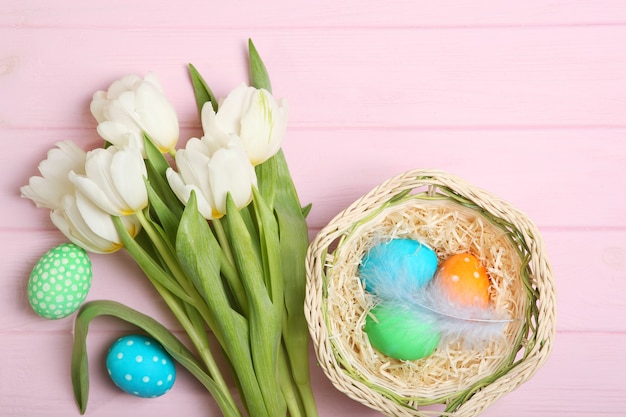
x=464 y=280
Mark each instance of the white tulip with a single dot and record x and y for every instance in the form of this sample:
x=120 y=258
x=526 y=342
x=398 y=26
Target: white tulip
x=213 y=169
x=114 y=180
x=132 y=106
x=48 y=190
x=253 y=115
x=88 y=226
x=75 y=216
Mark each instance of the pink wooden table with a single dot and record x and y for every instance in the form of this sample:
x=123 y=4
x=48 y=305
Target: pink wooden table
x=525 y=99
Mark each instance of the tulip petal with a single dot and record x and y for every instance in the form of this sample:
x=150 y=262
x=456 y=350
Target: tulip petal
x=119 y=134
x=48 y=190
x=231 y=172
x=156 y=116
x=45 y=193
x=127 y=175
x=120 y=86
x=236 y=104
x=152 y=79
x=92 y=191
x=70 y=221
x=96 y=220
x=193 y=167
x=98 y=105
x=183 y=192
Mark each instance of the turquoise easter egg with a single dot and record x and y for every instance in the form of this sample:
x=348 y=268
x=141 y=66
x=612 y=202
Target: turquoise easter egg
x=397 y=266
x=399 y=334
x=60 y=281
x=140 y=366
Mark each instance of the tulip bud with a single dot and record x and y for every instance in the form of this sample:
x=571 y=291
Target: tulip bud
x=132 y=106
x=48 y=190
x=213 y=169
x=253 y=115
x=114 y=180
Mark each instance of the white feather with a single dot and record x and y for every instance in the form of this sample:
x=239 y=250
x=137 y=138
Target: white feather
x=472 y=327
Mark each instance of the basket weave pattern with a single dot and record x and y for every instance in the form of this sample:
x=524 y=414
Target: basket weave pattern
x=451 y=216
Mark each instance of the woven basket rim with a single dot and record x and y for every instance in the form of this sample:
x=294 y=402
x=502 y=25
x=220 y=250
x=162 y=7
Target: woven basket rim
x=434 y=185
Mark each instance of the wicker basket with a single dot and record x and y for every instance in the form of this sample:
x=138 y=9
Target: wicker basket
x=450 y=216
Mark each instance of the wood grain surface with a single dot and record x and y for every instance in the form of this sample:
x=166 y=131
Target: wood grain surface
x=524 y=99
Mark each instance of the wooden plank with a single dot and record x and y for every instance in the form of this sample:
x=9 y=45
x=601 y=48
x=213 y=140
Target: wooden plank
x=584 y=376
x=560 y=178
x=438 y=78
x=326 y=13
x=589 y=269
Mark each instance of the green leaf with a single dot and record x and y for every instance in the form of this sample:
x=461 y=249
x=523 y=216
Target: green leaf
x=197 y=251
x=201 y=90
x=259 y=77
x=80 y=365
x=154 y=155
x=264 y=323
x=294 y=241
x=306 y=210
x=156 y=167
x=270 y=249
x=167 y=219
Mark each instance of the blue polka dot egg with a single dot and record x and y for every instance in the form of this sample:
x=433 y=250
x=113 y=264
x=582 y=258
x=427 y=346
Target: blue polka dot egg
x=140 y=366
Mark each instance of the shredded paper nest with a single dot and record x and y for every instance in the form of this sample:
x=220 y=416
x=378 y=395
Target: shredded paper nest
x=447 y=230
x=450 y=216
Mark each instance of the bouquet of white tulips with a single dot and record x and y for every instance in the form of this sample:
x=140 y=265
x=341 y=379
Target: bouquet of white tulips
x=217 y=228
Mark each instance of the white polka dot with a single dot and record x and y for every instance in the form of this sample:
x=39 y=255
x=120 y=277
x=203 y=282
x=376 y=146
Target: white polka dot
x=466 y=259
x=476 y=274
x=146 y=379
x=128 y=377
x=155 y=359
x=169 y=377
x=120 y=355
x=130 y=342
x=147 y=343
x=455 y=278
x=159 y=383
x=139 y=358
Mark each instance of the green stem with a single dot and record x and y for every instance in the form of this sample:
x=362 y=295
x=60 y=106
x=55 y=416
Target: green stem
x=200 y=341
x=294 y=404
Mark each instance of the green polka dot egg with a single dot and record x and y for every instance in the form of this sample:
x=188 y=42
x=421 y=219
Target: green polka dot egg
x=60 y=281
